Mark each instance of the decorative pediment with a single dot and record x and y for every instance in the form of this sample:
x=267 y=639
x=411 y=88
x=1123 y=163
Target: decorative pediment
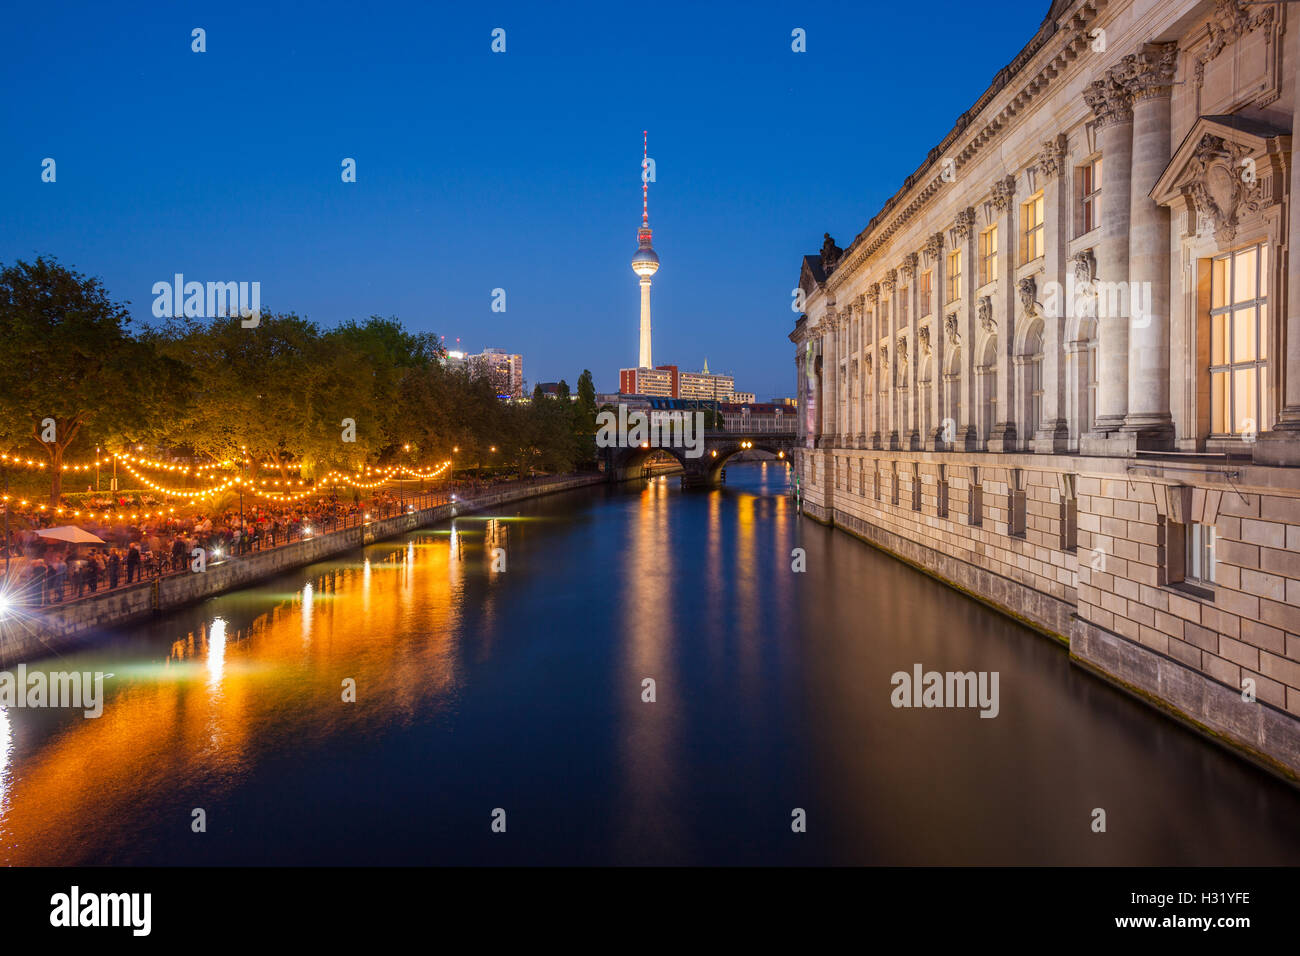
x=1226 y=168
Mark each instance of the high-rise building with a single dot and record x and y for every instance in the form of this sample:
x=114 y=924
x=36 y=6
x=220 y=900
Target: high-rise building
x=504 y=370
x=645 y=262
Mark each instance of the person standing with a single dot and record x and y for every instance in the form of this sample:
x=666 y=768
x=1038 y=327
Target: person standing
x=132 y=562
x=114 y=567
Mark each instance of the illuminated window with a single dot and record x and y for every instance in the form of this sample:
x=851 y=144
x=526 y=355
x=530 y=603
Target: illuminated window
x=1031 y=228
x=1199 y=566
x=1239 y=342
x=954 y=275
x=1088 y=189
x=988 y=255
x=923 y=289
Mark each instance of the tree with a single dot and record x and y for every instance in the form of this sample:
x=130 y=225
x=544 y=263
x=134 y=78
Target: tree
x=74 y=365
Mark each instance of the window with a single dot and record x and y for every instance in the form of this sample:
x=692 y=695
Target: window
x=942 y=504
x=976 y=514
x=1031 y=229
x=893 y=485
x=902 y=306
x=1239 y=341
x=1069 y=513
x=1016 y=504
x=1088 y=186
x=916 y=486
x=923 y=289
x=1199 y=563
x=954 y=275
x=988 y=255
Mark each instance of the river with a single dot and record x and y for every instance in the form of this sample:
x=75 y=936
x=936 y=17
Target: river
x=499 y=667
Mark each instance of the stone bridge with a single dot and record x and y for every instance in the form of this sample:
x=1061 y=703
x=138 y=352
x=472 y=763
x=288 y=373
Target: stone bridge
x=623 y=464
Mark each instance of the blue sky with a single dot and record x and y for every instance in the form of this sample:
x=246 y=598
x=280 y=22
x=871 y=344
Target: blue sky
x=477 y=170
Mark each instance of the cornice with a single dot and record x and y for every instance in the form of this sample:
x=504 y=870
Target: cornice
x=927 y=182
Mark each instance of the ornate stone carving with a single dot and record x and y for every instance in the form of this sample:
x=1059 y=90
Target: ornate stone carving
x=1111 y=97
x=868 y=363
x=1230 y=21
x=873 y=292
x=964 y=223
x=902 y=353
x=923 y=337
x=1003 y=190
x=908 y=268
x=1155 y=64
x=950 y=327
x=1218 y=186
x=1029 y=296
x=1051 y=158
x=934 y=246
x=890 y=281
x=830 y=254
x=984 y=309
x=1083 y=264
x=884 y=359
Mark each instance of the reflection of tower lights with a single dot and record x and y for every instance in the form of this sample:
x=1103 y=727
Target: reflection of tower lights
x=216 y=650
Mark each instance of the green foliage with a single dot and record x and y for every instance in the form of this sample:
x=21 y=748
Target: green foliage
x=278 y=392
x=70 y=359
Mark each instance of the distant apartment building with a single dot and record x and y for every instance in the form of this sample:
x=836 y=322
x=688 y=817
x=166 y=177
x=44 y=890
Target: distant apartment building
x=707 y=385
x=504 y=370
x=743 y=398
x=661 y=382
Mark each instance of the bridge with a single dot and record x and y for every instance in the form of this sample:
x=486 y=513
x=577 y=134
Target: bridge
x=624 y=464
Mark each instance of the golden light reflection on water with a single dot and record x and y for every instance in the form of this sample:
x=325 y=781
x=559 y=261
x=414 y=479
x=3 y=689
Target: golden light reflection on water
x=229 y=696
x=649 y=753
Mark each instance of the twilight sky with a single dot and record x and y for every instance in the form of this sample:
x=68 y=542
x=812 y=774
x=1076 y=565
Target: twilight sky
x=478 y=170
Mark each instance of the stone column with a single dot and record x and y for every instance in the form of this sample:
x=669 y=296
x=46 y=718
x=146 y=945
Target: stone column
x=1112 y=102
x=1148 y=418
x=1052 y=434
x=864 y=379
x=1002 y=436
x=873 y=296
x=800 y=397
x=830 y=387
x=912 y=439
x=1281 y=444
x=938 y=338
x=889 y=359
x=967 y=436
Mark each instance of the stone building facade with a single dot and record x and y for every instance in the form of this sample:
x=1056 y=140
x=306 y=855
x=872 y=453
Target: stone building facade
x=1061 y=367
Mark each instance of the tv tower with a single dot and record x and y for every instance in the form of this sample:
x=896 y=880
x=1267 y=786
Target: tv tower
x=645 y=263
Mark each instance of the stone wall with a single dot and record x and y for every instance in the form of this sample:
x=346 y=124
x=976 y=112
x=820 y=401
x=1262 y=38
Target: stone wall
x=68 y=625
x=1189 y=648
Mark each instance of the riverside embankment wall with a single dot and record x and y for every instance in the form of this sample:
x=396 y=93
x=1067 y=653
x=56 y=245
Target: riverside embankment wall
x=30 y=636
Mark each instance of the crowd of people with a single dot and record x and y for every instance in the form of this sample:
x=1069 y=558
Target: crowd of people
x=42 y=571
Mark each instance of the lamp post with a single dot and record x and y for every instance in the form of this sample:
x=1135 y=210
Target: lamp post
x=6 y=507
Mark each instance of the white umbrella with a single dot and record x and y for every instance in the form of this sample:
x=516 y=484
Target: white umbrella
x=71 y=534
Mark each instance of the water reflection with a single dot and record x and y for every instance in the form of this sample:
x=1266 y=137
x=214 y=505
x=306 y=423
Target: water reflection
x=520 y=685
